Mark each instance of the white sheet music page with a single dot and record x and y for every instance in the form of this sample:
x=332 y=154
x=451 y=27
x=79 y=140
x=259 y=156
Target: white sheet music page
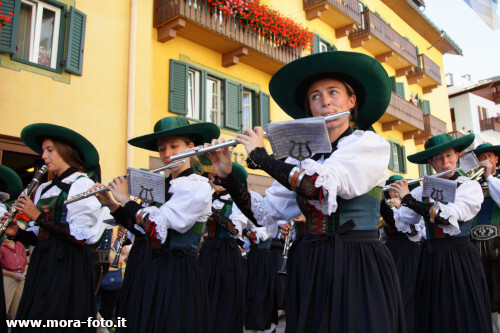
x=299 y=138
x=439 y=189
x=147 y=186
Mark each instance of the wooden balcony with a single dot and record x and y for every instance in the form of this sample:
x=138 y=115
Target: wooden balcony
x=403 y=116
x=197 y=21
x=432 y=126
x=492 y=123
x=342 y=15
x=386 y=44
x=427 y=74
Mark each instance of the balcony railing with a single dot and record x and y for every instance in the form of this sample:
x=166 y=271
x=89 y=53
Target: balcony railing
x=342 y=15
x=492 y=123
x=427 y=74
x=432 y=126
x=403 y=116
x=380 y=39
x=198 y=21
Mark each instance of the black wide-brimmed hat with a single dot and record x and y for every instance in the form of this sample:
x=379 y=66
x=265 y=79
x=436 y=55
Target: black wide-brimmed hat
x=440 y=143
x=485 y=147
x=34 y=134
x=364 y=74
x=10 y=182
x=200 y=133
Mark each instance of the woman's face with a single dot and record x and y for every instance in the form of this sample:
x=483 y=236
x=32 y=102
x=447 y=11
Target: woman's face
x=329 y=96
x=446 y=160
x=170 y=146
x=51 y=157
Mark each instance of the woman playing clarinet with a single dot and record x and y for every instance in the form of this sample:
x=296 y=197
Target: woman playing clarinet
x=59 y=282
x=342 y=278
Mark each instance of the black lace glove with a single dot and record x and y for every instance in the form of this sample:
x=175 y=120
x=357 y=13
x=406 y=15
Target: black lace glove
x=26 y=237
x=240 y=196
x=280 y=171
x=126 y=216
x=422 y=209
x=58 y=230
x=387 y=214
x=226 y=223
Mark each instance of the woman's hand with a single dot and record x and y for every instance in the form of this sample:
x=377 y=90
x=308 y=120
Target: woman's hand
x=105 y=198
x=488 y=168
x=118 y=188
x=27 y=207
x=252 y=138
x=401 y=187
x=220 y=159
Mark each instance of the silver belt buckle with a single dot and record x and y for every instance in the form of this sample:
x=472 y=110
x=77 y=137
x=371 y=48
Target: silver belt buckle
x=484 y=232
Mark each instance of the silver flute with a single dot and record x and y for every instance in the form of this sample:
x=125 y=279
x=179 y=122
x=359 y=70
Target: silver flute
x=85 y=195
x=200 y=150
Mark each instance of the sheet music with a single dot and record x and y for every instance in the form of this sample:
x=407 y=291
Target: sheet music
x=439 y=189
x=300 y=138
x=147 y=186
x=468 y=162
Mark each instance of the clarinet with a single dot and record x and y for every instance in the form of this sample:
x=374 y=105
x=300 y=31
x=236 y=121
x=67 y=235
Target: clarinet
x=286 y=247
x=118 y=249
x=28 y=191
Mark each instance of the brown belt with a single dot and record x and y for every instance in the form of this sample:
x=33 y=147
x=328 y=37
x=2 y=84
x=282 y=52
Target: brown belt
x=15 y=270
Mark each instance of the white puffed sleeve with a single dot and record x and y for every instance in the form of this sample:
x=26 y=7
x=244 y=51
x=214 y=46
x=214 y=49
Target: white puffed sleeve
x=406 y=216
x=191 y=202
x=357 y=166
x=261 y=233
x=494 y=188
x=3 y=209
x=239 y=220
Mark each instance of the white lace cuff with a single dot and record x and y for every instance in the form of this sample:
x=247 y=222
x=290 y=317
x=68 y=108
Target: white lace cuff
x=80 y=233
x=325 y=180
x=261 y=214
x=162 y=225
x=453 y=228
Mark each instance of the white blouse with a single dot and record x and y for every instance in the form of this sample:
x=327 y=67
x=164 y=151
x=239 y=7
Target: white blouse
x=191 y=202
x=468 y=200
x=494 y=188
x=357 y=166
x=83 y=214
x=237 y=217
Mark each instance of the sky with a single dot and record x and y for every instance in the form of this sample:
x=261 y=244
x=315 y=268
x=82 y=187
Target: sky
x=479 y=43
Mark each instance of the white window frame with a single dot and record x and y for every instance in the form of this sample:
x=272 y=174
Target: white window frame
x=194 y=102
x=323 y=47
x=246 y=120
x=214 y=115
x=36 y=28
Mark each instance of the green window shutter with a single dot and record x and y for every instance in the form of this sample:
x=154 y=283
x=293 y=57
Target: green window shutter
x=8 y=35
x=391 y=161
x=232 y=112
x=421 y=170
x=264 y=109
x=393 y=83
x=403 y=159
x=400 y=89
x=333 y=48
x=315 y=48
x=255 y=110
x=177 y=97
x=75 y=40
x=427 y=107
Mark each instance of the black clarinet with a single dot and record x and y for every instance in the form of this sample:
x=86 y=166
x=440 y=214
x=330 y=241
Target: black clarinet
x=28 y=191
x=118 y=250
x=286 y=247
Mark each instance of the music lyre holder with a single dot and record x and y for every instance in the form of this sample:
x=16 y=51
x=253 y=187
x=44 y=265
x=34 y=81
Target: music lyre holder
x=300 y=156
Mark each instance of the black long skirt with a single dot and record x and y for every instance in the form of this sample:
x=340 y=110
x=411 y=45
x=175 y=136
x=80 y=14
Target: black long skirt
x=451 y=291
x=3 y=311
x=261 y=305
x=221 y=262
x=343 y=283
x=406 y=256
x=130 y=290
x=59 y=285
x=280 y=279
x=174 y=296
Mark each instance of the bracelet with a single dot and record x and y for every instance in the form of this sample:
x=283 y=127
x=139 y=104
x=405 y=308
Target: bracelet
x=294 y=170
x=139 y=217
x=296 y=179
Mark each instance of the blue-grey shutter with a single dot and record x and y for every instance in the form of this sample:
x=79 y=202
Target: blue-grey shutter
x=232 y=110
x=421 y=170
x=403 y=159
x=8 y=35
x=427 y=107
x=315 y=48
x=75 y=41
x=177 y=97
x=264 y=109
x=393 y=83
x=391 y=160
x=400 y=89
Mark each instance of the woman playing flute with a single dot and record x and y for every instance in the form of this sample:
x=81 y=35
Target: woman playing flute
x=59 y=282
x=171 y=293
x=343 y=278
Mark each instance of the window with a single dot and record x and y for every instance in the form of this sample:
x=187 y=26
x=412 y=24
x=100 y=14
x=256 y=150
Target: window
x=397 y=162
x=200 y=95
x=320 y=45
x=44 y=34
x=214 y=101
x=424 y=170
